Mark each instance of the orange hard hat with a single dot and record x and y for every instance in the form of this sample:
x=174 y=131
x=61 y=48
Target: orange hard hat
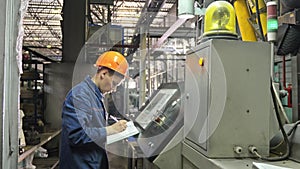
x=114 y=61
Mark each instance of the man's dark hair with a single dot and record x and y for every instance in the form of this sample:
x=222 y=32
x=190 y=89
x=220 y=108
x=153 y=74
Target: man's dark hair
x=110 y=71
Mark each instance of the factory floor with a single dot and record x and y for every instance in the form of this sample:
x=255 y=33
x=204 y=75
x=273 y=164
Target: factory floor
x=115 y=162
x=117 y=156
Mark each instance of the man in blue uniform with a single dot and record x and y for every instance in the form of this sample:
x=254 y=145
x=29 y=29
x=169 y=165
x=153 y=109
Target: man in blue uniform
x=84 y=129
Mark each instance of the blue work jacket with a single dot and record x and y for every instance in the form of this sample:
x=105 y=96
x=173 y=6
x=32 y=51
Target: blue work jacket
x=83 y=134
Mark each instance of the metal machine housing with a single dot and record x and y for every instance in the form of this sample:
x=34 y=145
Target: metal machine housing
x=227 y=98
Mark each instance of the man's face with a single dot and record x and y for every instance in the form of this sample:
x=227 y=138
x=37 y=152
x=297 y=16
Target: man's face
x=111 y=82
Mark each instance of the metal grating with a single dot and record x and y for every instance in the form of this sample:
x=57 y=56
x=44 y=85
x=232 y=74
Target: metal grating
x=42 y=28
x=42 y=22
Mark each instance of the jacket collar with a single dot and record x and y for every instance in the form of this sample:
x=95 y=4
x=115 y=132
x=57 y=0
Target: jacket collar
x=93 y=87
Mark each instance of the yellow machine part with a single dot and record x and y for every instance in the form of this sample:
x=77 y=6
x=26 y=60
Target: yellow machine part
x=263 y=13
x=220 y=19
x=242 y=13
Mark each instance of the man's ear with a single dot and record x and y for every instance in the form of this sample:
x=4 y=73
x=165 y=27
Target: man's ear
x=103 y=73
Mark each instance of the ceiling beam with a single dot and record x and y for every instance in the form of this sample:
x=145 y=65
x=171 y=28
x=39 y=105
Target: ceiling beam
x=38 y=54
x=149 y=12
x=168 y=33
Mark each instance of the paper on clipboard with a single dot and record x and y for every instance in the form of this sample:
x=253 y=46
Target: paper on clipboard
x=130 y=131
x=267 y=166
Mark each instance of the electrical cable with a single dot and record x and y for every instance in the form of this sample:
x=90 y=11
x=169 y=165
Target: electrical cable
x=259 y=21
x=293 y=128
x=285 y=137
x=281 y=107
x=258 y=155
x=278 y=7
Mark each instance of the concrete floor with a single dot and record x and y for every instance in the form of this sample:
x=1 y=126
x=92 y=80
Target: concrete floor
x=115 y=162
x=117 y=156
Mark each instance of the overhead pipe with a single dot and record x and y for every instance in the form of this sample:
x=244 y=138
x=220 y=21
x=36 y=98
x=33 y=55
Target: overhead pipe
x=142 y=73
x=258 y=7
x=186 y=9
x=243 y=18
x=283 y=72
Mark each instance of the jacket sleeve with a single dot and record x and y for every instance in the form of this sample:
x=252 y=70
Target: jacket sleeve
x=83 y=121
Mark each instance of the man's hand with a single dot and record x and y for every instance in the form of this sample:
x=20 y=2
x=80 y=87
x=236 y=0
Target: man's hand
x=116 y=127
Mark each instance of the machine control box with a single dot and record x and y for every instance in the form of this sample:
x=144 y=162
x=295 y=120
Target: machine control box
x=227 y=101
x=161 y=119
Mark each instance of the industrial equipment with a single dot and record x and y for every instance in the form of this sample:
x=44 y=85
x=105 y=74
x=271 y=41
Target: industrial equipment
x=227 y=105
x=293 y=132
x=221 y=19
x=227 y=120
x=227 y=101
x=160 y=120
x=243 y=15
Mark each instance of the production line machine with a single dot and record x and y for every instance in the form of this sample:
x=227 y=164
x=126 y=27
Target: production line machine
x=160 y=119
x=228 y=104
x=227 y=107
x=225 y=116
x=223 y=112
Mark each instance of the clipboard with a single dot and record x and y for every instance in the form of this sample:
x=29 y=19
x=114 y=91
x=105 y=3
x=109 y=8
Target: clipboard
x=130 y=131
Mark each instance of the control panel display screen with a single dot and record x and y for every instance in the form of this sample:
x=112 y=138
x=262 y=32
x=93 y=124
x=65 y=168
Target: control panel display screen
x=155 y=107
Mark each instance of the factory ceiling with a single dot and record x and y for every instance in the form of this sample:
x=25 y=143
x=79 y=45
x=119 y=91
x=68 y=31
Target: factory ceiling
x=42 y=28
x=42 y=22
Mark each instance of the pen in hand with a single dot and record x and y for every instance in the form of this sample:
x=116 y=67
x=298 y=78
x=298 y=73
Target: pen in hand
x=118 y=126
x=114 y=118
